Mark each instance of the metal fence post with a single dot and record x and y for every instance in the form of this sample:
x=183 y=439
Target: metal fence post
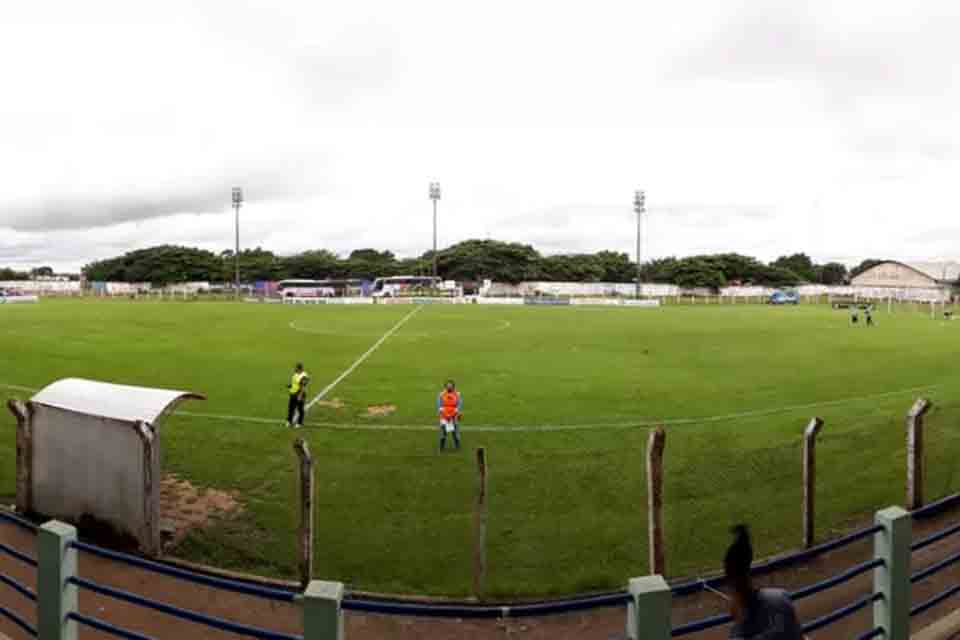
x=56 y=561
x=322 y=613
x=809 y=479
x=655 y=446
x=915 y=470
x=648 y=612
x=892 y=545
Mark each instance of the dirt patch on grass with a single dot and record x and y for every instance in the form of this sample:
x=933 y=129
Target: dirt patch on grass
x=377 y=410
x=336 y=403
x=185 y=507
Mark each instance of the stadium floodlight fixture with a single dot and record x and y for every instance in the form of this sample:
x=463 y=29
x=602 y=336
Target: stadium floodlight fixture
x=237 y=201
x=434 y=196
x=639 y=207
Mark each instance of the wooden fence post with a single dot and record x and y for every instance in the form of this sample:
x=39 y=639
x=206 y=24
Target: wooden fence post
x=305 y=534
x=24 y=471
x=809 y=479
x=655 y=446
x=480 y=526
x=915 y=470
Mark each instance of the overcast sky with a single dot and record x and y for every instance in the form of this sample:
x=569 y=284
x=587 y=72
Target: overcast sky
x=759 y=127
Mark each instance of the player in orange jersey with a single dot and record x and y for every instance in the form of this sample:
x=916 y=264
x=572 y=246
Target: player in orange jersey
x=449 y=408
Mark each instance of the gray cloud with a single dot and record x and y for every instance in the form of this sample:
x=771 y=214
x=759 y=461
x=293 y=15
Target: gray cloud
x=130 y=203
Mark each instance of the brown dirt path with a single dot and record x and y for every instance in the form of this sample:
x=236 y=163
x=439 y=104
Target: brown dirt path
x=605 y=624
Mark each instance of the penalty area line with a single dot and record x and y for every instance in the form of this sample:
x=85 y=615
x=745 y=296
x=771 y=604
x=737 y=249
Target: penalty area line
x=327 y=389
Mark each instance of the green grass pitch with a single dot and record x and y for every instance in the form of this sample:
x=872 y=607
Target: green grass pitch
x=566 y=506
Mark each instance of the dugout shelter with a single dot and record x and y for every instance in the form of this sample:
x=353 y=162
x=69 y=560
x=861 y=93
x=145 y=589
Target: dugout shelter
x=92 y=449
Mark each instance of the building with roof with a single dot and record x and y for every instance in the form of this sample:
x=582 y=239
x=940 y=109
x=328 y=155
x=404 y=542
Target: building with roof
x=912 y=277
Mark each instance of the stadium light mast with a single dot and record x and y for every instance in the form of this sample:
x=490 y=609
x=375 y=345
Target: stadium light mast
x=237 y=201
x=639 y=207
x=434 y=196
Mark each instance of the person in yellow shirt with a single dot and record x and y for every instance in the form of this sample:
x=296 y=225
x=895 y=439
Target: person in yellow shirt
x=298 y=395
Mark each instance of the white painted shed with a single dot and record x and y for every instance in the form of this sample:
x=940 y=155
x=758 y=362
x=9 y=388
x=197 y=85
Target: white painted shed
x=88 y=448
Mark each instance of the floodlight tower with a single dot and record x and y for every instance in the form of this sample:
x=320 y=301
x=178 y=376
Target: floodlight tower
x=435 y=196
x=237 y=201
x=639 y=207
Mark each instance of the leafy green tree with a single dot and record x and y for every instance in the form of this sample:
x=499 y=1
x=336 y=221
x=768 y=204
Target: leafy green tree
x=314 y=265
x=572 y=268
x=10 y=274
x=479 y=259
x=42 y=272
x=255 y=264
x=617 y=267
x=661 y=270
x=699 y=272
x=158 y=265
x=832 y=273
x=369 y=264
x=800 y=264
x=779 y=277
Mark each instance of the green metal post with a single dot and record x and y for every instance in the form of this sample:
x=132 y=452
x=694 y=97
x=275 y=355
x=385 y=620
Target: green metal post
x=648 y=614
x=322 y=615
x=56 y=598
x=892 y=612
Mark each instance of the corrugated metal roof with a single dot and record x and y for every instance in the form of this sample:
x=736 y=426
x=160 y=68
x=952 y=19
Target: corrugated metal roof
x=113 y=401
x=949 y=271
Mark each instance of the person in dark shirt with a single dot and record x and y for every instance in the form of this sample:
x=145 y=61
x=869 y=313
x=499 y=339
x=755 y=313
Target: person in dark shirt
x=757 y=613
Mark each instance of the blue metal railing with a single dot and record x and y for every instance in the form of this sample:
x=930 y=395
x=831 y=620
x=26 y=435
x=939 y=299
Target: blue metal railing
x=384 y=606
x=106 y=627
x=20 y=622
x=279 y=595
x=184 y=614
x=841 y=613
x=934 y=601
x=13 y=583
x=486 y=611
x=23 y=590
x=17 y=520
x=22 y=557
x=761 y=568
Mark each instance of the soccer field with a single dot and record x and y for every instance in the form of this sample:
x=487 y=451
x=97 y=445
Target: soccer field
x=561 y=397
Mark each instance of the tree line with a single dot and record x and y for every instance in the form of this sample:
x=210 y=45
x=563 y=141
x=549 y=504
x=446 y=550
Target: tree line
x=472 y=260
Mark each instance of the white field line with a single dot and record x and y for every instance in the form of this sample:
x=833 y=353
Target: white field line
x=18 y=388
x=504 y=324
x=366 y=355
x=551 y=427
x=573 y=427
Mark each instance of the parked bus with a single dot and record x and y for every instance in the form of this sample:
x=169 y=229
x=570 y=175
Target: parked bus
x=321 y=288
x=395 y=286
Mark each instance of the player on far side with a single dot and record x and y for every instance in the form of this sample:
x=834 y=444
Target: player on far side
x=449 y=407
x=298 y=395
x=868 y=315
x=854 y=315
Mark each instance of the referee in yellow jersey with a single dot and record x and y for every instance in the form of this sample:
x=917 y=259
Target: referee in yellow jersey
x=298 y=394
